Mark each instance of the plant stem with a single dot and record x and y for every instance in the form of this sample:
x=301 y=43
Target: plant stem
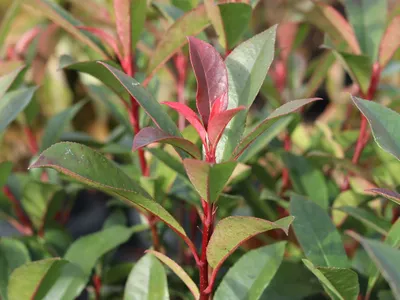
x=19 y=212
x=203 y=265
x=32 y=143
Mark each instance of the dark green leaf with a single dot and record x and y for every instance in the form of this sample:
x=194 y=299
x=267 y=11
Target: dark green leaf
x=316 y=234
x=235 y=19
x=138 y=18
x=5 y=171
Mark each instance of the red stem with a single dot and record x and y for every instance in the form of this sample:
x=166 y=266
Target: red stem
x=19 y=212
x=97 y=286
x=203 y=265
x=32 y=143
x=363 y=136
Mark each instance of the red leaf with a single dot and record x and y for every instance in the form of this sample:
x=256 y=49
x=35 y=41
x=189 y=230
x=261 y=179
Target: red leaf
x=286 y=35
x=191 y=116
x=151 y=135
x=122 y=10
x=211 y=76
x=392 y=195
x=390 y=42
x=105 y=37
x=218 y=123
x=26 y=39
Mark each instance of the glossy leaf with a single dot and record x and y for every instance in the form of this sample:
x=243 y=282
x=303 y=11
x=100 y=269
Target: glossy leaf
x=179 y=271
x=319 y=238
x=251 y=274
x=150 y=135
x=99 y=72
x=285 y=109
x=12 y=104
x=384 y=123
x=190 y=116
x=231 y=232
x=247 y=66
x=208 y=179
x=56 y=125
x=235 y=18
x=7 y=80
x=386 y=258
x=147 y=280
x=91 y=168
x=62 y=18
x=25 y=280
x=358 y=66
x=391 y=195
x=368 y=218
x=393 y=240
x=191 y=23
x=218 y=124
x=368 y=24
x=146 y=101
x=338 y=283
x=390 y=42
x=211 y=76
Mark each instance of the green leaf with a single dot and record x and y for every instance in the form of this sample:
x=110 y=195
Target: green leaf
x=98 y=71
x=251 y=274
x=280 y=112
x=214 y=15
x=384 y=123
x=359 y=68
x=393 y=240
x=235 y=18
x=247 y=66
x=368 y=18
x=338 y=283
x=147 y=280
x=25 y=280
x=391 y=195
x=138 y=18
x=209 y=179
x=386 y=258
x=368 y=218
x=190 y=24
x=319 y=238
x=305 y=177
x=346 y=198
x=65 y=20
x=56 y=125
x=5 y=171
x=261 y=143
x=7 y=80
x=231 y=232
x=13 y=253
x=152 y=107
x=179 y=271
x=12 y=104
x=36 y=201
x=90 y=167
x=7 y=21
x=87 y=250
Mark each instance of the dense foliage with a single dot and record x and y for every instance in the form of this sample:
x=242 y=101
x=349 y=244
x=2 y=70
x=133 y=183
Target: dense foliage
x=233 y=160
